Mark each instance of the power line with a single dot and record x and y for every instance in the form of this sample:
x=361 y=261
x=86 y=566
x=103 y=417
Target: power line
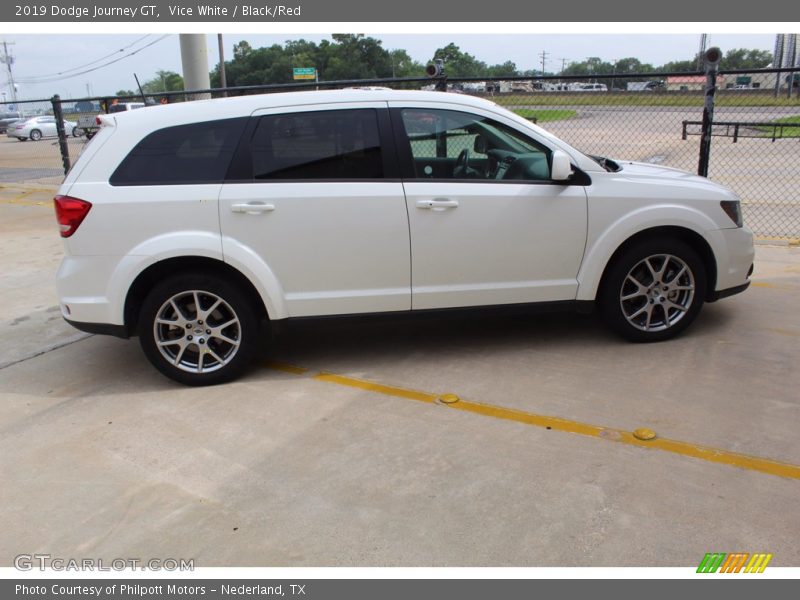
x=97 y=60
x=50 y=79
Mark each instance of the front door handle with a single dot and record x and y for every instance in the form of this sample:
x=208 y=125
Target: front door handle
x=437 y=204
x=252 y=208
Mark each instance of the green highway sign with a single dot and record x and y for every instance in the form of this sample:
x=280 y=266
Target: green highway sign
x=305 y=72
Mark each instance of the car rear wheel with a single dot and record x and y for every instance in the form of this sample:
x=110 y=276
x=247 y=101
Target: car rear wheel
x=654 y=290
x=22 y=139
x=36 y=135
x=198 y=329
x=76 y=132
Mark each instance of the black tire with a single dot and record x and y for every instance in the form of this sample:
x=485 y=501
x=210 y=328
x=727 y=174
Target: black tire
x=76 y=132
x=36 y=135
x=209 y=287
x=640 y=309
x=22 y=139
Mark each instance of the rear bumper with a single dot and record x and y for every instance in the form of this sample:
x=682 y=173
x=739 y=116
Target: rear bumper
x=119 y=331
x=720 y=294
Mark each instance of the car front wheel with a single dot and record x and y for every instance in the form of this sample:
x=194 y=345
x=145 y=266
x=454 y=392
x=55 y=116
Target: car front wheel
x=36 y=135
x=654 y=290
x=198 y=329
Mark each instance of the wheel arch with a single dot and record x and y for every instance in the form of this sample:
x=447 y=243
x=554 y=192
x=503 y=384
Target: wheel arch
x=154 y=273
x=696 y=241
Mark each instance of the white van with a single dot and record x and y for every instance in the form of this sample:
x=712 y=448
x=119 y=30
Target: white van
x=190 y=224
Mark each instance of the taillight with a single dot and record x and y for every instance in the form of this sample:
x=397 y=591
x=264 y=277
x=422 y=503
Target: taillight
x=98 y=121
x=70 y=213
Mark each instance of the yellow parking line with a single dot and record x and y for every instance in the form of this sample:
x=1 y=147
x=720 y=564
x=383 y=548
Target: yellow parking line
x=707 y=453
x=770 y=286
x=791 y=241
x=788 y=332
x=286 y=367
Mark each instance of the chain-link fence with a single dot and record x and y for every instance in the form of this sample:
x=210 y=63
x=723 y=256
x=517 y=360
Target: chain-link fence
x=654 y=118
x=29 y=145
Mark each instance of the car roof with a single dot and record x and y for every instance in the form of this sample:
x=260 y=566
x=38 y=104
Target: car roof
x=220 y=108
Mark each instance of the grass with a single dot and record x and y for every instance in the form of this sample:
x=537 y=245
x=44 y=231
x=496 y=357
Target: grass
x=542 y=116
x=688 y=99
x=788 y=132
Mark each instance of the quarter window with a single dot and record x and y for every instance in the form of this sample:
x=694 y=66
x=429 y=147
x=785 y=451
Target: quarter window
x=184 y=154
x=331 y=144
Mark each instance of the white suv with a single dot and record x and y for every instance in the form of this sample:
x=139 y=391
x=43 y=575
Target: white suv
x=190 y=224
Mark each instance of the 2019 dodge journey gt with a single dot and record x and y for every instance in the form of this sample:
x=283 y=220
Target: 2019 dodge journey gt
x=190 y=224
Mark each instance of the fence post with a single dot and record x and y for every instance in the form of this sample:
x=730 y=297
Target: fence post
x=712 y=58
x=62 y=134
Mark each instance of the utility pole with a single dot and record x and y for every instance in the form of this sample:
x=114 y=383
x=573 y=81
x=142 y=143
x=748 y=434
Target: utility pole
x=563 y=64
x=194 y=60
x=543 y=55
x=9 y=60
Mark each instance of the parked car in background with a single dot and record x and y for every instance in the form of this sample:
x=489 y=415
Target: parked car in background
x=89 y=124
x=36 y=128
x=7 y=118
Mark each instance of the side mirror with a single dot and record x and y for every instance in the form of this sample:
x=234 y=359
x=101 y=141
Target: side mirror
x=562 y=168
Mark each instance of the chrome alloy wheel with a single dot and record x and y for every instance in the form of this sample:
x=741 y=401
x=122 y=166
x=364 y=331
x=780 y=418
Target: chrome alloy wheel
x=197 y=331
x=657 y=292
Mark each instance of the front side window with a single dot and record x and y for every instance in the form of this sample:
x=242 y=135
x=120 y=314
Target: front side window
x=330 y=144
x=184 y=154
x=447 y=144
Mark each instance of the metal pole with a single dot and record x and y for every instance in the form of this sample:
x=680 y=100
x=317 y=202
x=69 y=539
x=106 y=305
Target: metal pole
x=62 y=134
x=792 y=63
x=223 y=80
x=712 y=58
x=194 y=61
x=777 y=61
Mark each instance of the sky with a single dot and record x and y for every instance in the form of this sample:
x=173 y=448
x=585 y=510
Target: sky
x=37 y=56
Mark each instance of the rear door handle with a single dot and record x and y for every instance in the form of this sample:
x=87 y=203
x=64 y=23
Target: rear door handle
x=252 y=208
x=437 y=204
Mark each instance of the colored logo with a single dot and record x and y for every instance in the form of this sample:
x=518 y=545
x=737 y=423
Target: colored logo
x=738 y=562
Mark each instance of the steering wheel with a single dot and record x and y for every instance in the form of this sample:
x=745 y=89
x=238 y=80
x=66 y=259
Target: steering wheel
x=461 y=170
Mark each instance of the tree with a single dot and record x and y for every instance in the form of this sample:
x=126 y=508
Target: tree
x=348 y=56
x=164 y=81
x=507 y=69
x=458 y=63
x=742 y=58
x=405 y=66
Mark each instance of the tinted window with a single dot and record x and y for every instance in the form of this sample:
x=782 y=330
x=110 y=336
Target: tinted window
x=447 y=144
x=332 y=144
x=195 y=153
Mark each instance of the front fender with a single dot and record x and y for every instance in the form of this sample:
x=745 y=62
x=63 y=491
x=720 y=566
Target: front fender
x=605 y=239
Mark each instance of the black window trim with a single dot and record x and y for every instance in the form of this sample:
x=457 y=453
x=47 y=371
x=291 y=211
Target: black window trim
x=406 y=158
x=240 y=170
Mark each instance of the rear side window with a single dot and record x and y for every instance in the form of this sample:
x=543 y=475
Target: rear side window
x=331 y=144
x=184 y=154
